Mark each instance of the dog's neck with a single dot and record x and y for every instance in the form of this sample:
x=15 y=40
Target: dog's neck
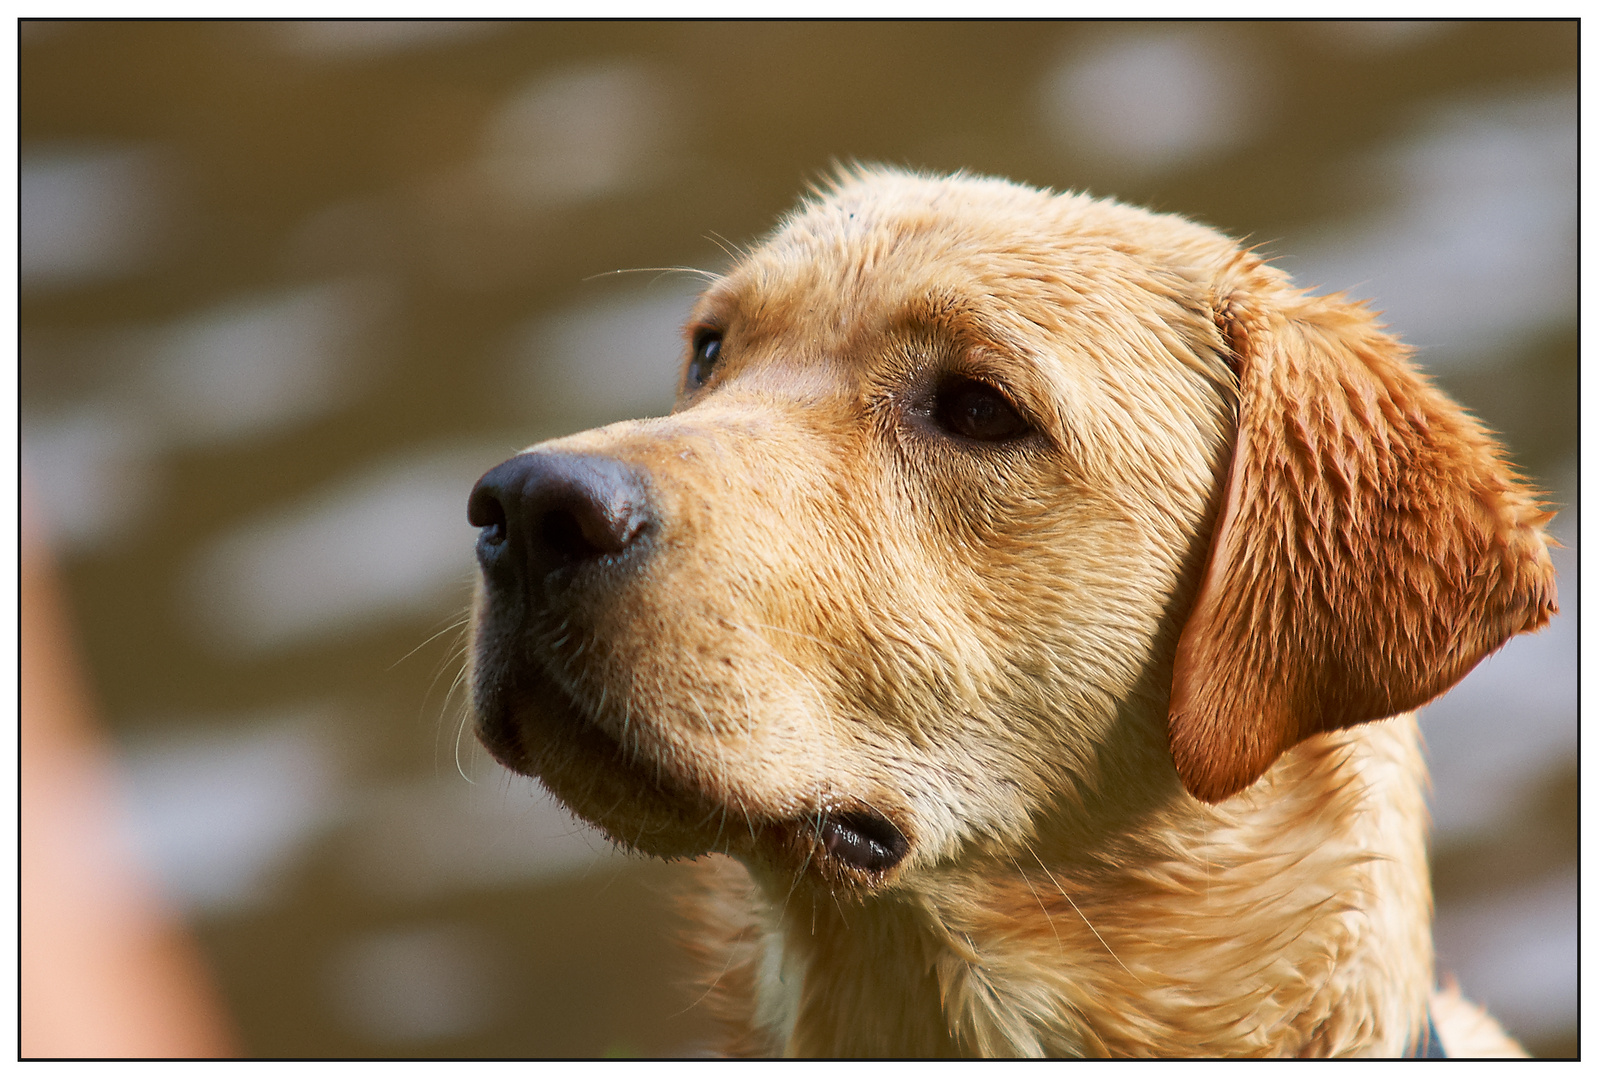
x=1292 y=919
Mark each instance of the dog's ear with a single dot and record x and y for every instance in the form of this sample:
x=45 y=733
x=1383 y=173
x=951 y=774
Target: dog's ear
x=1371 y=546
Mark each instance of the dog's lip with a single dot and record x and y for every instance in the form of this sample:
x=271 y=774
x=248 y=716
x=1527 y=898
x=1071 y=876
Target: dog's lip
x=554 y=728
x=863 y=839
x=574 y=725
x=846 y=839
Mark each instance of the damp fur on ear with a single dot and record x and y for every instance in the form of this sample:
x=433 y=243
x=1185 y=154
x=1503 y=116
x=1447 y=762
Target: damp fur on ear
x=1372 y=544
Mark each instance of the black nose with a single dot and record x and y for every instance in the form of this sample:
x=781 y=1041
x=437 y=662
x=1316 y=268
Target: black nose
x=539 y=512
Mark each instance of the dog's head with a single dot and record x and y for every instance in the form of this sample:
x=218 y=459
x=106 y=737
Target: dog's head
x=978 y=502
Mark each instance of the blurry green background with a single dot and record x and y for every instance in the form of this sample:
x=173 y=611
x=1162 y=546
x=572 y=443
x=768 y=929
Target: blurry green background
x=288 y=289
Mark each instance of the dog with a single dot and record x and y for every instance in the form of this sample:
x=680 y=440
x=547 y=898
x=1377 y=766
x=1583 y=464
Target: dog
x=1025 y=603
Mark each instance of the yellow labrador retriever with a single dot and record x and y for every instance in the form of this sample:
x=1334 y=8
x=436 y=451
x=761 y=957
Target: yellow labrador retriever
x=1010 y=595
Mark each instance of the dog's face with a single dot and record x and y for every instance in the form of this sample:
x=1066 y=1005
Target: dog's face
x=909 y=563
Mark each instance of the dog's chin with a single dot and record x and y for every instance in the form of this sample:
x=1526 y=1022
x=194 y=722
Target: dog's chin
x=540 y=731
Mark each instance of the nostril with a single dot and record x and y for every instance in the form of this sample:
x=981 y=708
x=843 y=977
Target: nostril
x=586 y=523
x=485 y=512
x=561 y=533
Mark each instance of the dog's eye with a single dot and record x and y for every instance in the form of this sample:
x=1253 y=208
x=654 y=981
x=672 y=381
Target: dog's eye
x=707 y=350
x=977 y=411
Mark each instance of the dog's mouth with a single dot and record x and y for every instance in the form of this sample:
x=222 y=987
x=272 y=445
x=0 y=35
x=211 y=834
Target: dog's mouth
x=864 y=840
x=642 y=806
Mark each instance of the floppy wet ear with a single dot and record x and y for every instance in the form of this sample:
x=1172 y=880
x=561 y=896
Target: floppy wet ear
x=1372 y=545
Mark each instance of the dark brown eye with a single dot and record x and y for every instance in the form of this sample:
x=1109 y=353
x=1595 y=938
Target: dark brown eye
x=975 y=410
x=707 y=349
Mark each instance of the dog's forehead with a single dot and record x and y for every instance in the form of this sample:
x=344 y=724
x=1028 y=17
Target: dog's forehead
x=883 y=246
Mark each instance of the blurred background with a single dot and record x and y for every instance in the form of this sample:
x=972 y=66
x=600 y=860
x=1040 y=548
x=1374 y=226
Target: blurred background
x=287 y=289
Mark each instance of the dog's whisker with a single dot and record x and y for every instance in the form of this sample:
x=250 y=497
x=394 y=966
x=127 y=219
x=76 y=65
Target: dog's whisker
x=705 y=718
x=464 y=715
x=1040 y=902
x=721 y=824
x=708 y=275
x=799 y=876
x=454 y=624
x=749 y=708
x=455 y=659
x=1062 y=890
x=731 y=952
x=731 y=250
x=837 y=904
x=460 y=731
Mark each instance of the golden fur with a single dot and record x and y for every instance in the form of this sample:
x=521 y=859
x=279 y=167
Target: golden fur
x=1099 y=687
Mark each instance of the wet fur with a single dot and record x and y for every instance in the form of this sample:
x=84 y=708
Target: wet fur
x=1113 y=682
